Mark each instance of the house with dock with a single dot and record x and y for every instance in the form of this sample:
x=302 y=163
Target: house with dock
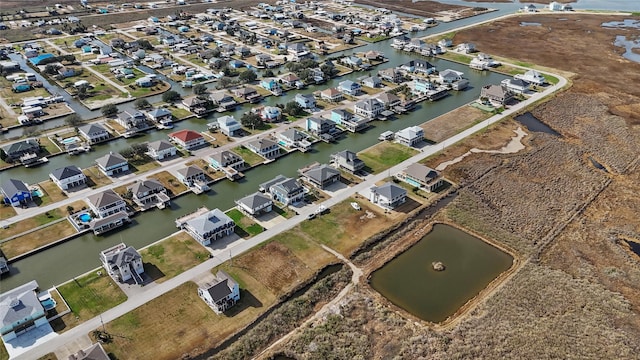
x=228 y=125
x=533 y=77
x=160 y=115
x=94 y=133
x=264 y=147
x=421 y=176
x=411 y=136
x=388 y=196
x=15 y=192
x=187 y=139
x=368 y=108
x=21 y=311
x=68 y=177
x=193 y=177
x=391 y=75
x=228 y=162
x=349 y=87
x=112 y=164
x=283 y=189
x=516 y=86
x=331 y=95
x=123 y=263
x=293 y=138
x=247 y=93
x=161 y=150
x=272 y=85
x=149 y=193
x=209 y=226
x=109 y=209
x=20 y=149
x=220 y=294
x=320 y=126
x=255 y=204
x=320 y=175
x=347 y=160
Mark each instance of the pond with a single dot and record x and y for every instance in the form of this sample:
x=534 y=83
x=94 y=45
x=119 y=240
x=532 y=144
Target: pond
x=410 y=282
x=534 y=124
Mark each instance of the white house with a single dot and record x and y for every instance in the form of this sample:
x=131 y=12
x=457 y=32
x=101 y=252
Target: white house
x=123 y=263
x=106 y=203
x=221 y=294
x=210 y=226
x=188 y=139
x=255 y=204
x=368 y=108
x=516 y=86
x=410 y=136
x=421 y=176
x=264 y=147
x=112 y=164
x=449 y=76
x=532 y=76
x=68 y=177
x=228 y=125
x=161 y=150
x=388 y=195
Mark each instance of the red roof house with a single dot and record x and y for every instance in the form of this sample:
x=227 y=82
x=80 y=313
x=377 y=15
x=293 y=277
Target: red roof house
x=188 y=139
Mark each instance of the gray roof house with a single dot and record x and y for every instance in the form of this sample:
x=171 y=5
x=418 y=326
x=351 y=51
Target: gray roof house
x=20 y=309
x=283 y=189
x=496 y=94
x=161 y=149
x=93 y=133
x=388 y=195
x=221 y=294
x=112 y=164
x=17 y=149
x=255 y=204
x=93 y=352
x=148 y=193
x=264 y=147
x=210 y=226
x=106 y=203
x=192 y=176
x=421 y=176
x=410 y=136
x=15 y=192
x=228 y=162
x=123 y=263
x=68 y=177
x=320 y=175
x=348 y=160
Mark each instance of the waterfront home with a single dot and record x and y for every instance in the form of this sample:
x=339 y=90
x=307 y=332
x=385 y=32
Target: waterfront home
x=532 y=76
x=284 y=190
x=331 y=95
x=317 y=75
x=21 y=311
x=449 y=76
x=352 y=61
x=496 y=94
x=15 y=192
x=388 y=195
x=112 y=164
x=264 y=147
x=371 y=81
x=289 y=79
x=410 y=136
x=195 y=104
x=340 y=116
x=516 y=86
x=272 y=85
x=106 y=203
x=191 y=176
x=298 y=51
x=93 y=133
x=161 y=150
x=388 y=100
x=293 y=138
x=391 y=75
x=306 y=101
x=320 y=175
x=93 y=352
x=226 y=159
x=320 y=126
x=68 y=177
x=209 y=227
x=187 y=139
x=466 y=48
x=421 y=176
x=123 y=263
x=418 y=66
x=270 y=114
x=132 y=120
x=21 y=148
x=221 y=294
x=160 y=115
x=149 y=192
x=145 y=81
x=421 y=86
x=349 y=87
x=228 y=125
x=368 y=108
x=247 y=93
x=400 y=41
x=255 y=204
x=263 y=59
x=348 y=160
x=222 y=100
x=445 y=43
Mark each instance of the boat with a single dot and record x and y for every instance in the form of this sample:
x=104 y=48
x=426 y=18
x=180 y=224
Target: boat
x=355 y=205
x=321 y=210
x=40 y=161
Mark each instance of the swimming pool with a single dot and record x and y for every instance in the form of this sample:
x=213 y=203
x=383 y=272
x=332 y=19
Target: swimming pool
x=85 y=218
x=48 y=304
x=70 y=140
x=37 y=193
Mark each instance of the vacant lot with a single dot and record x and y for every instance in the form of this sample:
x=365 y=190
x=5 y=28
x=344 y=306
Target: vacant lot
x=169 y=182
x=384 y=155
x=451 y=123
x=172 y=256
x=250 y=158
x=96 y=178
x=421 y=8
x=33 y=240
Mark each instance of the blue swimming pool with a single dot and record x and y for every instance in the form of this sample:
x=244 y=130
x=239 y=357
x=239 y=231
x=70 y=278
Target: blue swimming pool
x=37 y=193
x=84 y=217
x=70 y=140
x=48 y=304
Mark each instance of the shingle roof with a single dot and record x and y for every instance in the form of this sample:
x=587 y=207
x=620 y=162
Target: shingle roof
x=111 y=159
x=420 y=171
x=24 y=145
x=66 y=172
x=321 y=173
x=186 y=135
x=190 y=171
x=124 y=257
x=159 y=112
x=254 y=200
x=389 y=190
x=221 y=287
x=226 y=157
x=144 y=186
x=12 y=186
x=25 y=303
x=210 y=221
x=104 y=198
x=92 y=129
x=160 y=145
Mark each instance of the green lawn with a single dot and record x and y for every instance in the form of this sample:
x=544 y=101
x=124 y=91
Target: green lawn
x=385 y=155
x=245 y=227
x=172 y=256
x=249 y=156
x=465 y=59
x=92 y=294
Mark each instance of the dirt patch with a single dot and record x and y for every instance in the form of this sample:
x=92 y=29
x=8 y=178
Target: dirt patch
x=451 y=123
x=422 y=8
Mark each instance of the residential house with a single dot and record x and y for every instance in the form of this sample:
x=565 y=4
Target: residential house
x=352 y=61
x=348 y=121
x=467 y=48
x=68 y=177
x=532 y=76
x=112 y=164
x=93 y=352
x=195 y=104
x=320 y=175
x=349 y=87
x=418 y=66
x=449 y=76
x=388 y=100
x=498 y=94
x=320 y=126
x=264 y=147
x=368 y=108
x=106 y=203
x=228 y=125
x=255 y=204
x=188 y=139
x=161 y=150
x=21 y=311
x=340 y=116
x=445 y=43
x=317 y=75
x=388 y=195
x=421 y=86
x=227 y=161
x=263 y=59
x=191 y=176
x=372 y=82
x=289 y=79
x=65 y=72
x=235 y=64
x=222 y=100
x=247 y=93
x=272 y=85
x=270 y=114
x=123 y=263
x=298 y=51
x=21 y=148
x=348 y=160
x=410 y=136
x=516 y=86
x=421 y=176
x=145 y=81
x=149 y=192
x=401 y=41
x=284 y=190
x=160 y=116
x=221 y=294
x=306 y=101
x=331 y=95
x=293 y=138
x=132 y=120
x=415 y=45
x=391 y=75
x=15 y=192
x=209 y=227
x=94 y=133
x=243 y=52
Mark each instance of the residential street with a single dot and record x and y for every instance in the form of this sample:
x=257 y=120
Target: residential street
x=238 y=247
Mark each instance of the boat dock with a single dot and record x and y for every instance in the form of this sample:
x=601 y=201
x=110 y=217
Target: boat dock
x=183 y=219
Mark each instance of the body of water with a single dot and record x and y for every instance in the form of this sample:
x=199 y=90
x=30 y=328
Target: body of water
x=410 y=282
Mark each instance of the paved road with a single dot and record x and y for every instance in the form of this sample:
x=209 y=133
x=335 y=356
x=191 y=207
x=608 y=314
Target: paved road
x=238 y=247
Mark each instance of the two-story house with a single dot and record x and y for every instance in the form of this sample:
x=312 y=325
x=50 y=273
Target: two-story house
x=112 y=164
x=388 y=195
x=188 y=139
x=255 y=204
x=320 y=126
x=210 y=227
x=220 y=294
x=264 y=147
x=68 y=177
x=421 y=176
x=15 y=192
x=148 y=193
x=410 y=136
x=331 y=95
x=123 y=263
x=228 y=125
x=306 y=101
x=93 y=133
x=320 y=175
x=21 y=310
x=368 y=108
x=161 y=149
x=349 y=87
x=348 y=160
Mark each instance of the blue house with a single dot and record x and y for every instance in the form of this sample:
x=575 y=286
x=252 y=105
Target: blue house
x=38 y=59
x=349 y=87
x=15 y=192
x=236 y=64
x=320 y=126
x=22 y=87
x=423 y=86
x=339 y=116
x=307 y=101
x=271 y=85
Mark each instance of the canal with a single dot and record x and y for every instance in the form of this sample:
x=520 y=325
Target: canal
x=410 y=281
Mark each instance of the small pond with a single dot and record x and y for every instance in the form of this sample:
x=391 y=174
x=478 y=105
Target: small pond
x=534 y=124
x=634 y=246
x=526 y=23
x=410 y=282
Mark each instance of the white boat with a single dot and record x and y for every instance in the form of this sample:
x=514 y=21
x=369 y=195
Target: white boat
x=321 y=209
x=355 y=205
